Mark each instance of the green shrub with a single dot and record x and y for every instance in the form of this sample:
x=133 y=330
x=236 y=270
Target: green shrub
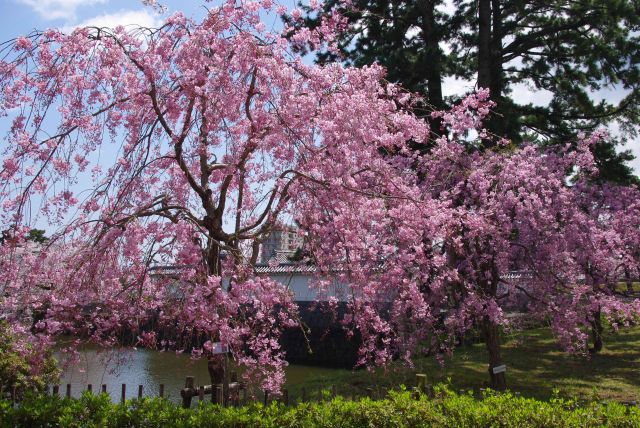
x=400 y=409
x=16 y=368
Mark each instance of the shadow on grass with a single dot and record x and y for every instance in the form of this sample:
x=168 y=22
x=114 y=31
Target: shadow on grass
x=536 y=366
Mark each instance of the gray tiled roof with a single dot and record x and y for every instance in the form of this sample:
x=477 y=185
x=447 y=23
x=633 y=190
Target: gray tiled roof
x=285 y=268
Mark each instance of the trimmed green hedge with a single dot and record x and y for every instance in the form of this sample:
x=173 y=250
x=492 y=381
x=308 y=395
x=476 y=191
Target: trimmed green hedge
x=399 y=410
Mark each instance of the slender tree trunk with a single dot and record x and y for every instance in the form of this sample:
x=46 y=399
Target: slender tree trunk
x=213 y=257
x=498 y=121
x=490 y=73
x=484 y=43
x=484 y=58
x=434 y=72
x=433 y=53
x=491 y=333
x=216 y=364
x=627 y=279
x=596 y=332
x=433 y=63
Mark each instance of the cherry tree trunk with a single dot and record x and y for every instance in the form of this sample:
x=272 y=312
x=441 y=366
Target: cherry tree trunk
x=491 y=335
x=596 y=332
x=217 y=367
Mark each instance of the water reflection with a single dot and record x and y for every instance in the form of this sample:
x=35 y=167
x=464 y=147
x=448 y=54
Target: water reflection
x=133 y=367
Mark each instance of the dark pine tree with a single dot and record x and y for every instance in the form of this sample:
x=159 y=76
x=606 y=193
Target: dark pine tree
x=572 y=48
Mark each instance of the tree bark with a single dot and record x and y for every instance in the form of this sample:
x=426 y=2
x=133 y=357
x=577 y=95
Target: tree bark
x=490 y=73
x=433 y=53
x=213 y=257
x=216 y=365
x=484 y=43
x=497 y=122
x=432 y=63
x=596 y=332
x=491 y=335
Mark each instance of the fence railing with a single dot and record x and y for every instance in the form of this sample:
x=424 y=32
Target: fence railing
x=237 y=394
x=16 y=393
x=233 y=394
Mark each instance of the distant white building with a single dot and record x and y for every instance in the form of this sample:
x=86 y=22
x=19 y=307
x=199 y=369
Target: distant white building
x=282 y=242
x=298 y=278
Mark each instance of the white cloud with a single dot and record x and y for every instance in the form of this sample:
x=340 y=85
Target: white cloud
x=634 y=146
x=138 y=18
x=456 y=86
x=523 y=94
x=412 y=32
x=448 y=7
x=58 y=9
x=610 y=94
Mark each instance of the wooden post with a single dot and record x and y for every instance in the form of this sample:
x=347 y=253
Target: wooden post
x=104 y=388
x=421 y=382
x=68 y=390
x=186 y=392
x=266 y=398
x=214 y=394
x=285 y=397
x=237 y=394
x=161 y=390
x=13 y=395
x=225 y=382
x=334 y=391
x=139 y=391
x=56 y=390
x=123 y=393
x=233 y=394
x=90 y=388
x=304 y=395
x=201 y=393
x=244 y=394
x=218 y=391
x=233 y=378
x=497 y=375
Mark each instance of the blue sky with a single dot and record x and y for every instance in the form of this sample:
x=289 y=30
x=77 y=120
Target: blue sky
x=18 y=17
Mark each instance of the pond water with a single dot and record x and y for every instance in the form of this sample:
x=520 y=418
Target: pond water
x=149 y=368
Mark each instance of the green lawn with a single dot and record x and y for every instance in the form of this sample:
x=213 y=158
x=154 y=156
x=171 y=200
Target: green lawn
x=535 y=367
x=623 y=287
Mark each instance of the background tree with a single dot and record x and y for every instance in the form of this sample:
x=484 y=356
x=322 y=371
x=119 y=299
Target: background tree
x=432 y=262
x=34 y=235
x=572 y=49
